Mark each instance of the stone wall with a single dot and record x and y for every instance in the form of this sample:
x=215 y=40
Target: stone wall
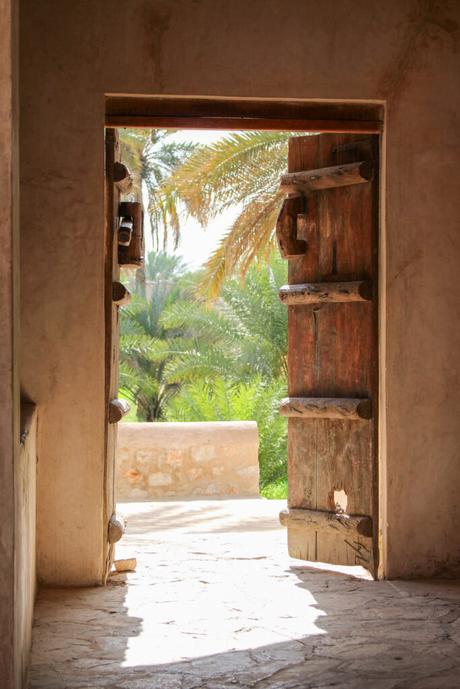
x=162 y=460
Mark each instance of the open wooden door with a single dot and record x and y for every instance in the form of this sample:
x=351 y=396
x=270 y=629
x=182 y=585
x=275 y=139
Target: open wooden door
x=123 y=246
x=328 y=230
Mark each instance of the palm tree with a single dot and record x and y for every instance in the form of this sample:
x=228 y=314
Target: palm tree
x=241 y=169
x=239 y=336
x=152 y=159
x=145 y=347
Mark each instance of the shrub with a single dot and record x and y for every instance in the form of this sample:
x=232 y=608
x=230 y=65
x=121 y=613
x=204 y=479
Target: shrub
x=256 y=400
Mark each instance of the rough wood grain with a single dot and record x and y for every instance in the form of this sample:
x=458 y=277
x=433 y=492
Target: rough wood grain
x=327 y=177
x=324 y=292
x=333 y=349
x=219 y=113
x=331 y=522
x=326 y=408
x=289 y=243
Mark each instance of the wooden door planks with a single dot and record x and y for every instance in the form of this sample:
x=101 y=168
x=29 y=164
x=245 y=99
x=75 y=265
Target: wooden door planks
x=287 y=227
x=333 y=348
x=113 y=172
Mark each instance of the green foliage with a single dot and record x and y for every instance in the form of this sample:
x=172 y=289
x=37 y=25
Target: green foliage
x=145 y=345
x=152 y=159
x=256 y=400
x=184 y=360
x=242 y=335
x=276 y=490
x=241 y=169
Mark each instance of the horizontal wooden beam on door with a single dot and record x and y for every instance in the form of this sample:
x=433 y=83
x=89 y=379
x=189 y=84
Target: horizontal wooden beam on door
x=326 y=408
x=327 y=177
x=329 y=522
x=325 y=292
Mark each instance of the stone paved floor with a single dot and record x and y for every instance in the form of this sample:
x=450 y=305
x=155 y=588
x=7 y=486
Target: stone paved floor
x=216 y=603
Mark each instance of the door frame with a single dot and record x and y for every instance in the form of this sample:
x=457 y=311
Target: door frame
x=318 y=116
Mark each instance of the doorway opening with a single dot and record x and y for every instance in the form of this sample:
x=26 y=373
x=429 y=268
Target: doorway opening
x=338 y=274
x=204 y=337
x=215 y=601
x=324 y=220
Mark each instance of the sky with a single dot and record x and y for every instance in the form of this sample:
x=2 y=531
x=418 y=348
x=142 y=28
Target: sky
x=196 y=243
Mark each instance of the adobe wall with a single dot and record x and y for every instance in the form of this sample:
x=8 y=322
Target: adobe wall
x=187 y=459
x=404 y=53
x=11 y=671
x=26 y=509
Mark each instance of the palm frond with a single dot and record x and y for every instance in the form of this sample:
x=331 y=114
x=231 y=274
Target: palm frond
x=252 y=235
x=228 y=172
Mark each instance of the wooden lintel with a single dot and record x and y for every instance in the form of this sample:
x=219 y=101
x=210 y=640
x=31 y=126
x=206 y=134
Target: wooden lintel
x=325 y=292
x=327 y=522
x=117 y=410
x=241 y=123
x=327 y=177
x=120 y=294
x=326 y=408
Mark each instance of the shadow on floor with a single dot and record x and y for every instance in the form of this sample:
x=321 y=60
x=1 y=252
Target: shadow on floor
x=361 y=635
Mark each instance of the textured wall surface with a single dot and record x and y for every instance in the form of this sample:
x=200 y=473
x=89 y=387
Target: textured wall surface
x=10 y=666
x=402 y=53
x=162 y=460
x=25 y=535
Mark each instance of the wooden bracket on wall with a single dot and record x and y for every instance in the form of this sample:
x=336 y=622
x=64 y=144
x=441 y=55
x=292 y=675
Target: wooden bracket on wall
x=116 y=529
x=122 y=178
x=131 y=255
x=325 y=292
x=120 y=294
x=290 y=220
x=117 y=410
x=125 y=231
x=326 y=408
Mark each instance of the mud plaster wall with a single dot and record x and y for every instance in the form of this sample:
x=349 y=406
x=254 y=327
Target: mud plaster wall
x=25 y=535
x=170 y=460
x=10 y=668
x=405 y=53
